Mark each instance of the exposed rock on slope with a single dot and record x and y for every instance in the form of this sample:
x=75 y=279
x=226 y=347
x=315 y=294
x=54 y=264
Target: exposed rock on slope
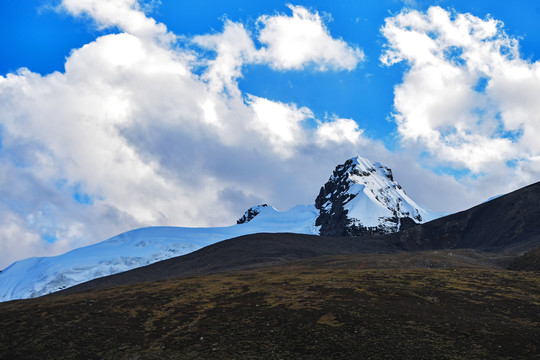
x=250 y=214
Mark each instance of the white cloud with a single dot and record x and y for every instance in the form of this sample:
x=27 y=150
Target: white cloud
x=289 y=42
x=293 y=42
x=338 y=131
x=143 y=139
x=467 y=98
x=234 y=47
x=129 y=135
x=17 y=240
x=127 y=15
x=281 y=123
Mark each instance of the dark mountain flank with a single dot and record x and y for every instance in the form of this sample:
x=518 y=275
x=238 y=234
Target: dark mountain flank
x=508 y=223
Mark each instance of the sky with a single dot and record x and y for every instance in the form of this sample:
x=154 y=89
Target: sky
x=119 y=114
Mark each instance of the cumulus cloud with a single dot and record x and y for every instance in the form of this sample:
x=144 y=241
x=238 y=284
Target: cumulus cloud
x=289 y=43
x=234 y=48
x=281 y=123
x=338 y=131
x=467 y=98
x=127 y=15
x=142 y=129
x=293 y=42
x=133 y=134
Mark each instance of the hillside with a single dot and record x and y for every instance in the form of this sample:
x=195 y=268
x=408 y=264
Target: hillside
x=439 y=304
x=435 y=290
x=244 y=252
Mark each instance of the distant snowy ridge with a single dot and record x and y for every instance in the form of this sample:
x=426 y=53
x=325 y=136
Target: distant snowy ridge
x=362 y=197
x=39 y=276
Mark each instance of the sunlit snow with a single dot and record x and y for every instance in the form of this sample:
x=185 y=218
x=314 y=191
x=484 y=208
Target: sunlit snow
x=39 y=276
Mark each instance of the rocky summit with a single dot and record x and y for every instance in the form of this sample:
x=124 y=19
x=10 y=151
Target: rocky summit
x=362 y=197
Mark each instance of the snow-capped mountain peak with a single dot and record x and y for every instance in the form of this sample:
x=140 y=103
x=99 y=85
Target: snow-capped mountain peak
x=362 y=197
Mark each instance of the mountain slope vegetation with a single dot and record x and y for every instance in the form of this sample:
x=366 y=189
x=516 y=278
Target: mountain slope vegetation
x=439 y=304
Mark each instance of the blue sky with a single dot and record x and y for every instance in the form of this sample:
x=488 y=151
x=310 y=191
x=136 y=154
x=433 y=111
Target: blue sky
x=121 y=114
x=41 y=38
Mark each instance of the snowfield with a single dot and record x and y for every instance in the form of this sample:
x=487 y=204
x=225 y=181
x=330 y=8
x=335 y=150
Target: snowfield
x=34 y=277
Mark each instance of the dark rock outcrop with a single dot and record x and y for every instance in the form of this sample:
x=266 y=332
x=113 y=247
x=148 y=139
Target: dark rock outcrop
x=330 y=202
x=250 y=214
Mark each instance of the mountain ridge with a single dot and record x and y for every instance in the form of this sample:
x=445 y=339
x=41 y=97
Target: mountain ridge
x=38 y=276
x=506 y=223
x=256 y=250
x=240 y=253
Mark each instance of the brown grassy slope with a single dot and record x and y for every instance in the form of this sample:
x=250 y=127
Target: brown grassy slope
x=337 y=307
